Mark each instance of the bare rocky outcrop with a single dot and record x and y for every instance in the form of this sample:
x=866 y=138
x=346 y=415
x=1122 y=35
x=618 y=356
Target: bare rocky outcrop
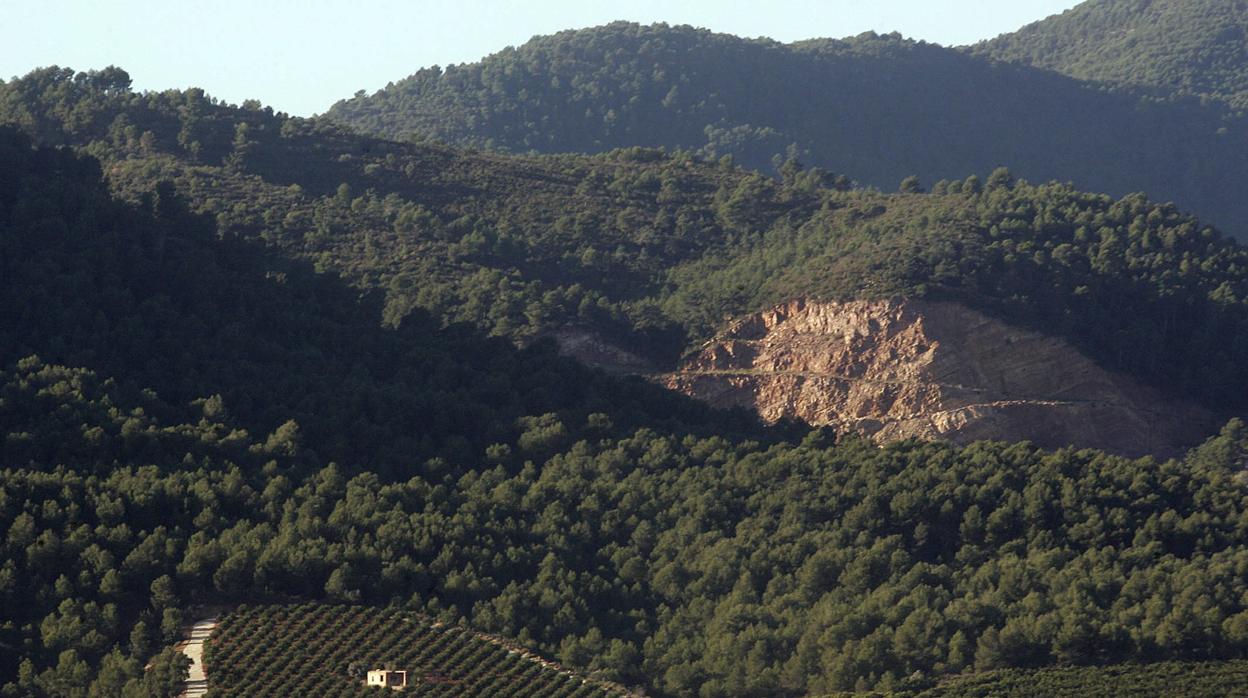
x=933 y=370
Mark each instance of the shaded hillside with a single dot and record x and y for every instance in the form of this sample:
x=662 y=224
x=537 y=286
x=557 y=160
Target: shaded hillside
x=198 y=360
x=1188 y=47
x=149 y=296
x=877 y=108
x=518 y=246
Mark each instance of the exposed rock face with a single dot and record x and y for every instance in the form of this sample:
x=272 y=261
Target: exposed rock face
x=932 y=370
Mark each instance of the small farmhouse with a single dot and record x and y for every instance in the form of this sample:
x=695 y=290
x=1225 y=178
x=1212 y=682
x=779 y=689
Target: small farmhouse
x=387 y=678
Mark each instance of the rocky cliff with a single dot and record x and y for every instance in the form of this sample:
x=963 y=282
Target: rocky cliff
x=932 y=370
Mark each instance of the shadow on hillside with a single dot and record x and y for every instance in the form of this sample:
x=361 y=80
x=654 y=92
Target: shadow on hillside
x=154 y=299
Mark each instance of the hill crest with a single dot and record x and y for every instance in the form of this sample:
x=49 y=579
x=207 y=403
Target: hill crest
x=877 y=108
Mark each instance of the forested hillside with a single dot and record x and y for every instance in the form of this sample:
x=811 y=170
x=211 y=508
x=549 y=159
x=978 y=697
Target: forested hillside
x=1186 y=47
x=652 y=250
x=149 y=296
x=192 y=413
x=877 y=108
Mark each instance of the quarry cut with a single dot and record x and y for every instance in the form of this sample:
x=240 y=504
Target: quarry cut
x=899 y=369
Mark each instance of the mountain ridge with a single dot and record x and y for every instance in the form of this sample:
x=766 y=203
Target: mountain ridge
x=1181 y=47
x=877 y=108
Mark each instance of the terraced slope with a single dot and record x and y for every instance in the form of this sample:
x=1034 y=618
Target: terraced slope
x=323 y=650
x=1170 y=679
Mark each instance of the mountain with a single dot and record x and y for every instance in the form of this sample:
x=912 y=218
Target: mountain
x=875 y=108
x=247 y=359
x=1184 y=47
x=632 y=258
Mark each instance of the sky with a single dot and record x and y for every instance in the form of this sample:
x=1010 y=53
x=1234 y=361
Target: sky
x=301 y=56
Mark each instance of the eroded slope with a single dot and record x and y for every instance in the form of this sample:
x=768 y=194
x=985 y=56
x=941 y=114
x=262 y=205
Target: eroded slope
x=932 y=370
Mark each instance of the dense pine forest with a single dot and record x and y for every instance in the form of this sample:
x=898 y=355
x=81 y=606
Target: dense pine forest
x=308 y=371
x=875 y=107
x=1185 y=47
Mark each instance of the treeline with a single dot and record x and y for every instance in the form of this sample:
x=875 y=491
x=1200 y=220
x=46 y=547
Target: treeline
x=878 y=107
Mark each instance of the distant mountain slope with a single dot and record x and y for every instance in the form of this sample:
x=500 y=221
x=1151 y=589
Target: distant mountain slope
x=877 y=108
x=1195 y=47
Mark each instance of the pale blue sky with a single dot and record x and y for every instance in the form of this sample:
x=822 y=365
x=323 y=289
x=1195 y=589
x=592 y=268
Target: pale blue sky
x=300 y=56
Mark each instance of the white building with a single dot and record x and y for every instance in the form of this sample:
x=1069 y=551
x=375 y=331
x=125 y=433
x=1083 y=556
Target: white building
x=387 y=678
